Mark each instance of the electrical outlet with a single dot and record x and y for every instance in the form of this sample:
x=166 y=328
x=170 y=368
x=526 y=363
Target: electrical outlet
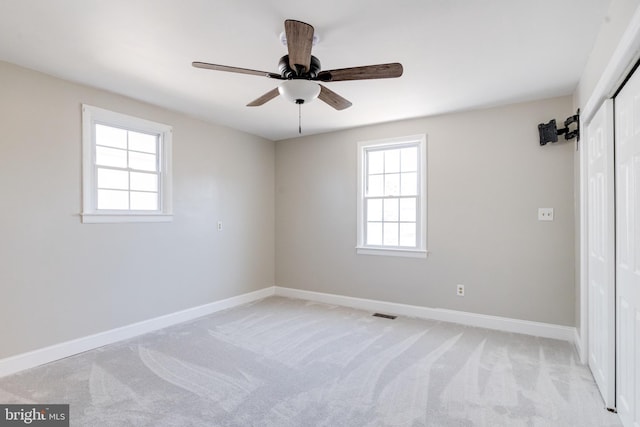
x=460 y=290
x=545 y=214
x=219 y=225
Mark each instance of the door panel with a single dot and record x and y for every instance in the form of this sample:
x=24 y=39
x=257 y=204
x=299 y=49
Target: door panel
x=601 y=251
x=627 y=149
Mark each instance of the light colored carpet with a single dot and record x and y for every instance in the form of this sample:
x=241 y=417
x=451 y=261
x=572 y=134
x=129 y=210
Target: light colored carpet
x=282 y=362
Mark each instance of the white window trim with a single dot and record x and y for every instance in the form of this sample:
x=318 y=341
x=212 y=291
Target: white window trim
x=92 y=115
x=421 y=223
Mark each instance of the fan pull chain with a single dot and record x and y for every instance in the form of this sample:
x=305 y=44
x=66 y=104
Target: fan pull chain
x=300 y=118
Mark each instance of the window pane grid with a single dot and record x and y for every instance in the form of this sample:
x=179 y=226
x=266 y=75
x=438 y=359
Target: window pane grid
x=386 y=223
x=392 y=172
x=117 y=163
x=392 y=196
x=391 y=193
x=396 y=234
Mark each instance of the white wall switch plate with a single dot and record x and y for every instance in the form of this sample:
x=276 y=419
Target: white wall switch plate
x=545 y=214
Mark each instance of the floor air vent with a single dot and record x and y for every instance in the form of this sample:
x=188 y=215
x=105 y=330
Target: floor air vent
x=384 y=316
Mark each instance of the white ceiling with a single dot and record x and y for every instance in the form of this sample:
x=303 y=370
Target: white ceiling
x=457 y=54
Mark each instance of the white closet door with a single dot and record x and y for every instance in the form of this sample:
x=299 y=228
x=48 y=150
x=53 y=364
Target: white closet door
x=627 y=118
x=601 y=250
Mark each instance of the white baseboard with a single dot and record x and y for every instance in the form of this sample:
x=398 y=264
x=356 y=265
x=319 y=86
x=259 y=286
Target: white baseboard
x=506 y=324
x=41 y=356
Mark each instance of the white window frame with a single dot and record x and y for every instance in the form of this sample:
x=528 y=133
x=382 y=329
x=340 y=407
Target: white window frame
x=421 y=215
x=90 y=213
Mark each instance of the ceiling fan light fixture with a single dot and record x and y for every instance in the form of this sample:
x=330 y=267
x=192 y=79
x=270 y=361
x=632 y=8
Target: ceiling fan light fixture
x=299 y=91
x=300 y=70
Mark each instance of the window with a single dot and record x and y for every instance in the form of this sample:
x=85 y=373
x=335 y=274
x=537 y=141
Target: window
x=392 y=206
x=126 y=168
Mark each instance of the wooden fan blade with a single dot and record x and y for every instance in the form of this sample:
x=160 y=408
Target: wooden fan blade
x=299 y=43
x=380 y=71
x=333 y=99
x=217 y=67
x=264 y=98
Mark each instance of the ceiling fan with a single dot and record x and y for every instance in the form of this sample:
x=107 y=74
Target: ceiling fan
x=300 y=71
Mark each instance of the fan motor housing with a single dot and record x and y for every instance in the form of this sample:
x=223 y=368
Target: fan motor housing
x=288 y=73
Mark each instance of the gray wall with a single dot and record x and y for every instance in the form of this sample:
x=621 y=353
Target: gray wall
x=61 y=279
x=487 y=177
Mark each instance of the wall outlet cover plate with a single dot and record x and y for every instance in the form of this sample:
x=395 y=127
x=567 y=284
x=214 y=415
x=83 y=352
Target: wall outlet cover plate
x=545 y=214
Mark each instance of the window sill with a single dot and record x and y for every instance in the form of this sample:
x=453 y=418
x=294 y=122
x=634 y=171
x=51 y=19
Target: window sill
x=99 y=218
x=408 y=253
